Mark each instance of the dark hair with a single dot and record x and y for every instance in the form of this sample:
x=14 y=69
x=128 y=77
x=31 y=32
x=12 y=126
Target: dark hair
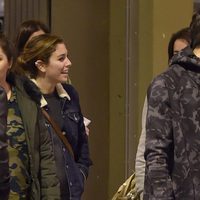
x=26 y=29
x=183 y=34
x=7 y=47
x=38 y=48
x=195 y=29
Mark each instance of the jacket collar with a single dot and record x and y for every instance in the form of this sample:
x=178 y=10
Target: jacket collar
x=187 y=59
x=62 y=93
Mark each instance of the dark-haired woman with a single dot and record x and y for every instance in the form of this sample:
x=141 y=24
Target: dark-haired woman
x=27 y=30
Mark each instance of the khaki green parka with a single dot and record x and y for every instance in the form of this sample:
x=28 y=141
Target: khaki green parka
x=45 y=184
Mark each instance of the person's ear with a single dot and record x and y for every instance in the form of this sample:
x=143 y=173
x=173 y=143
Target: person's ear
x=40 y=65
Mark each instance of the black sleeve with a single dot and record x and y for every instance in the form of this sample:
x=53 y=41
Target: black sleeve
x=83 y=158
x=159 y=142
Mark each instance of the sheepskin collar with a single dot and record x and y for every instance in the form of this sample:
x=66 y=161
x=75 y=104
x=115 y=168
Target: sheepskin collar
x=60 y=90
x=23 y=83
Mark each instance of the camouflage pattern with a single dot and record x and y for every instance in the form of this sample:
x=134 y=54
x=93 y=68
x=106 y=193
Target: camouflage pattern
x=4 y=168
x=18 y=152
x=173 y=132
x=44 y=183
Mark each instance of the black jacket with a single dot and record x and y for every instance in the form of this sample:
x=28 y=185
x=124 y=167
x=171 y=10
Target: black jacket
x=4 y=166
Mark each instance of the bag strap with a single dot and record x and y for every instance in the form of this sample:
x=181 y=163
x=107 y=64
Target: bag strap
x=58 y=132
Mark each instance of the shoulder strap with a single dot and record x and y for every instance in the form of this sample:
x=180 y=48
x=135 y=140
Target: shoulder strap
x=58 y=132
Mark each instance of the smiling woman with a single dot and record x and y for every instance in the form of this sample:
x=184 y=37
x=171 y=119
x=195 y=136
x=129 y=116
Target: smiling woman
x=45 y=60
x=55 y=71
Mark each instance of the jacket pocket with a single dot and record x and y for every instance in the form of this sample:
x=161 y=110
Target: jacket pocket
x=74 y=116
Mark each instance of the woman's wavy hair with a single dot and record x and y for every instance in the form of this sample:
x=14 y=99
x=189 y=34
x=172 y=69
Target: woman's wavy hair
x=38 y=48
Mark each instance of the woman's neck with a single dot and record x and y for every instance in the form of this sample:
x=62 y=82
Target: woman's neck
x=45 y=86
x=7 y=88
x=196 y=51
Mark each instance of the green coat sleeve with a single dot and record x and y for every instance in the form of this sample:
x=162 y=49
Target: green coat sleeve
x=50 y=187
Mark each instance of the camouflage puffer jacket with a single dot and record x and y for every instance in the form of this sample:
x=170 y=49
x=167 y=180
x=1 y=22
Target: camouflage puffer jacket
x=173 y=132
x=4 y=167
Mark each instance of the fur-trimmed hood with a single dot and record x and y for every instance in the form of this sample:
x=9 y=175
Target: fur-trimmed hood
x=60 y=90
x=23 y=83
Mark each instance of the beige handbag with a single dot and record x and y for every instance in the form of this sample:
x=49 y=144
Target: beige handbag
x=127 y=191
